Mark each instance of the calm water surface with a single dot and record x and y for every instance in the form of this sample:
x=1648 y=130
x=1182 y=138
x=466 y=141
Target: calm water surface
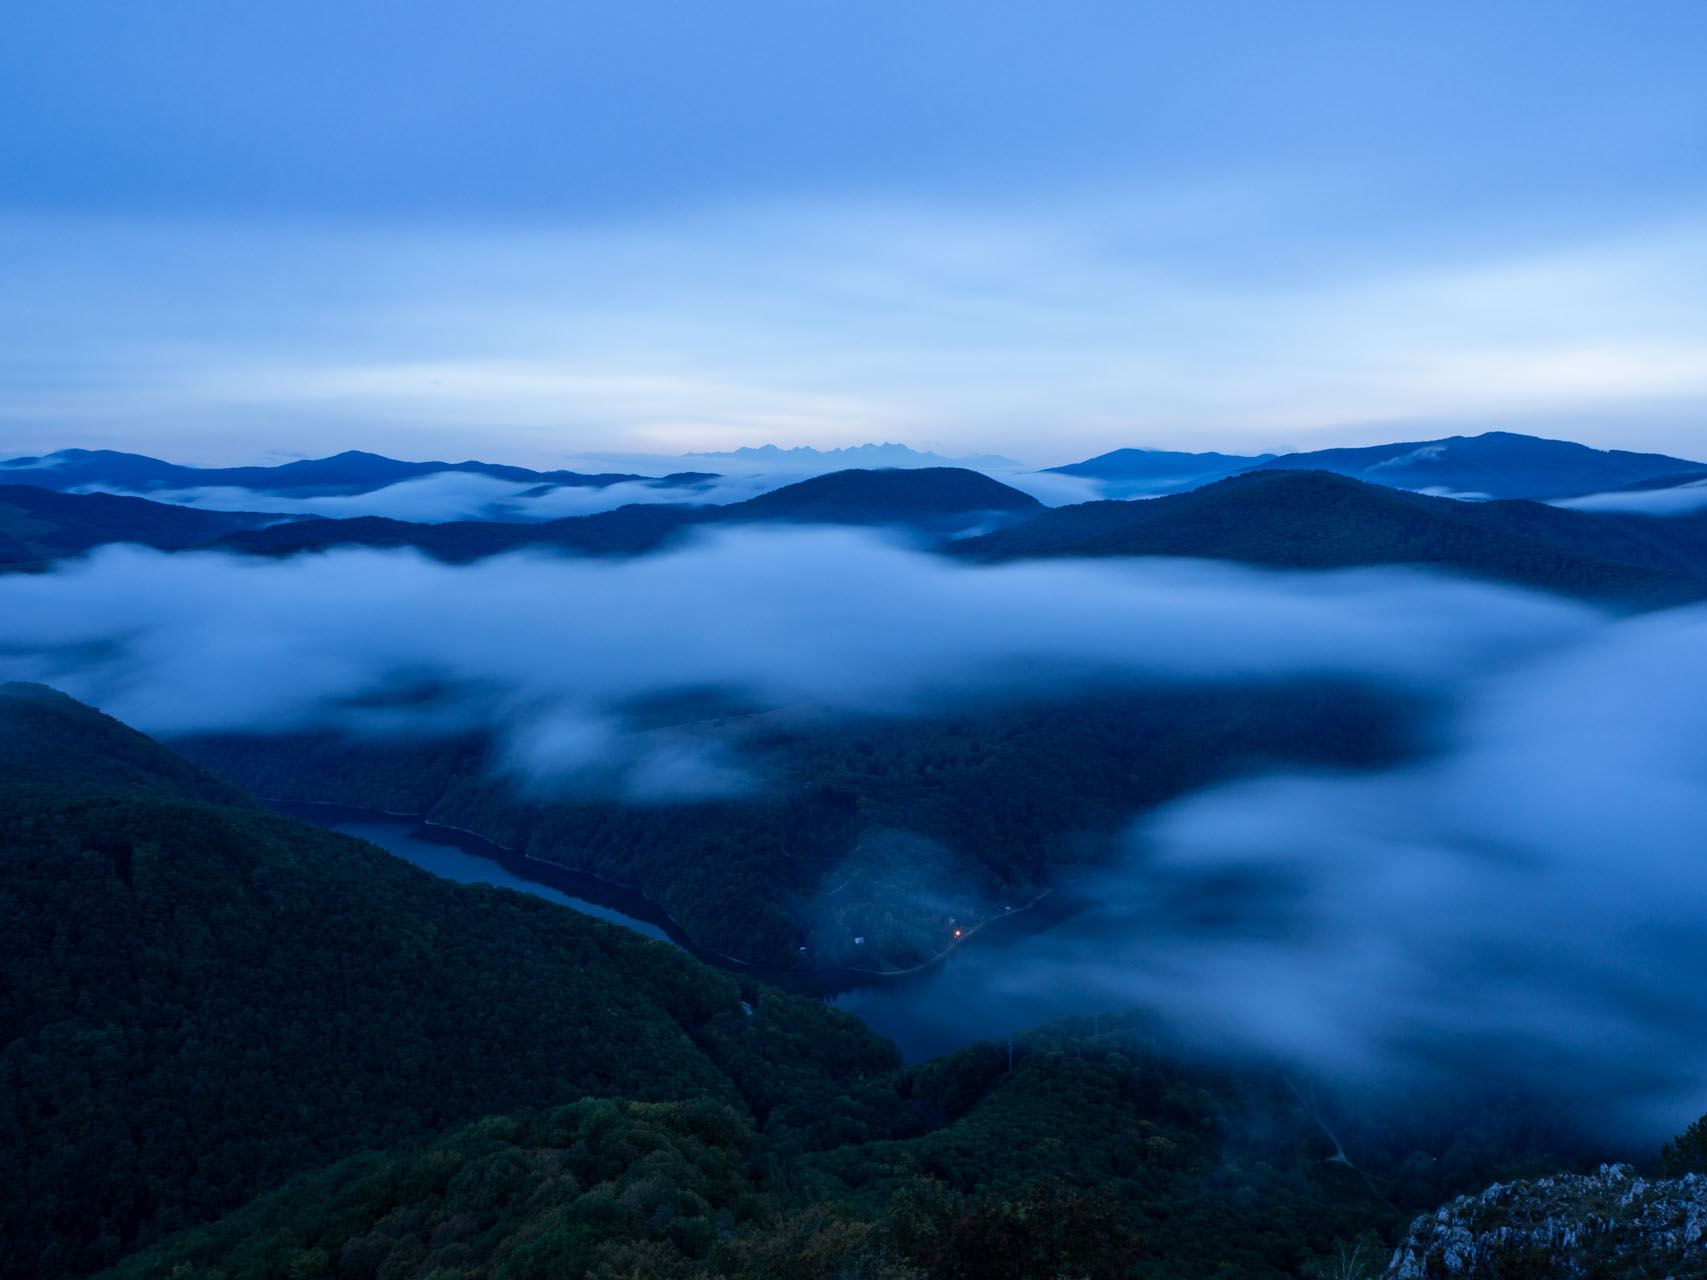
x=978 y=991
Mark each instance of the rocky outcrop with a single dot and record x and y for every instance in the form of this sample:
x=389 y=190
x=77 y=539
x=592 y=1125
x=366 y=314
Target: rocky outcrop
x=1610 y=1225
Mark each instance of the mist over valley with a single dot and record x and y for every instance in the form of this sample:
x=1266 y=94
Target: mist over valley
x=1293 y=812
x=1378 y=806
x=662 y=641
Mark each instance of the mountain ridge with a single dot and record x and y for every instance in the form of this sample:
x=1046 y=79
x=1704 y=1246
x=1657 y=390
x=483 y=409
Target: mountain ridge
x=38 y=525
x=353 y=471
x=1321 y=520
x=1140 y=472
x=1282 y=518
x=927 y=500
x=1495 y=464
x=887 y=454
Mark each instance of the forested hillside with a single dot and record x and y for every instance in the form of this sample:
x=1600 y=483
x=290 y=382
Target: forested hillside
x=202 y=1003
x=199 y=999
x=1078 y=1150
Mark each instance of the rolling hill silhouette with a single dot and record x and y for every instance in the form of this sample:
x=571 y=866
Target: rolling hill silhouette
x=1318 y=520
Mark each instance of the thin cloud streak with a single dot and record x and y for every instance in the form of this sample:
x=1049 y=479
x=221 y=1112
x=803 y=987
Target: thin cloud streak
x=450 y=495
x=454 y=495
x=1675 y=501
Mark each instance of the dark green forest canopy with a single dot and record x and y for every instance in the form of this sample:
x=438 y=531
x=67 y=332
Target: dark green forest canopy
x=1078 y=1149
x=202 y=1004
x=54 y=742
x=199 y=999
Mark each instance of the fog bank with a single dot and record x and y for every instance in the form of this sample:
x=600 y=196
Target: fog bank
x=1528 y=907
x=1676 y=501
x=1528 y=901
x=552 y=650
x=462 y=495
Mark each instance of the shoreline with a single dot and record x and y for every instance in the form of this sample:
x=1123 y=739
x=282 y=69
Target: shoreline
x=815 y=974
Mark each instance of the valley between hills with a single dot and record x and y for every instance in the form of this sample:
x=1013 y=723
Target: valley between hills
x=1021 y=838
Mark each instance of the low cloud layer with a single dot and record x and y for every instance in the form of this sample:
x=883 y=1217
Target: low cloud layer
x=1528 y=899
x=461 y=495
x=830 y=619
x=1526 y=907
x=1676 y=501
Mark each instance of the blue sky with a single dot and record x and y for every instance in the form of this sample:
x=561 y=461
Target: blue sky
x=532 y=231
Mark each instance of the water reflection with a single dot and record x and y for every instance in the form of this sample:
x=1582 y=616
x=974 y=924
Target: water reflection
x=966 y=996
x=434 y=849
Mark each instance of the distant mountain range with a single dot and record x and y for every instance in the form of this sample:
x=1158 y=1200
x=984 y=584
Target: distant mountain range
x=351 y=472
x=1641 y=542
x=1494 y=465
x=38 y=525
x=1498 y=464
x=860 y=455
x=1286 y=519
x=930 y=500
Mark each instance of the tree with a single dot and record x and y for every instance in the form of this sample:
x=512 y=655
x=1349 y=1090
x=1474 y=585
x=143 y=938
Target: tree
x=1686 y=1153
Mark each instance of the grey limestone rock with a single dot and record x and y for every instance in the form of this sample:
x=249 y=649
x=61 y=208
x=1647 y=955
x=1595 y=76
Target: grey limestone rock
x=1608 y=1225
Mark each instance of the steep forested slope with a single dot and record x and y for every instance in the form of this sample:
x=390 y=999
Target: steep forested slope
x=199 y=999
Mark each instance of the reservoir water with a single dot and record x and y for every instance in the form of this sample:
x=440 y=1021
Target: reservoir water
x=976 y=991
